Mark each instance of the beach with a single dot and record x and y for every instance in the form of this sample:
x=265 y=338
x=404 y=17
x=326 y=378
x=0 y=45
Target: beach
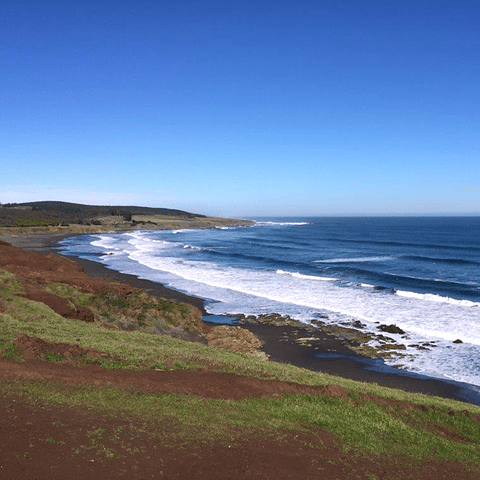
x=279 y=342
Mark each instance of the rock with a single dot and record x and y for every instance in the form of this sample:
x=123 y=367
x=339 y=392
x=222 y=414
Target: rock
x=236 y=339
x=358 y=324
x=392 y=346
x=384 y=289
x=317 y=323
x=390 y=329
x=457 y=341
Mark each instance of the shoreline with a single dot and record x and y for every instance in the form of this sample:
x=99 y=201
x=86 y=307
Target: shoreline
x=330 y=356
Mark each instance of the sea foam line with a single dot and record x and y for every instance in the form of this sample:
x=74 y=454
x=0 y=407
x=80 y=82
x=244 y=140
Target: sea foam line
x=193 y=247
x=306 y=277
x=356 y=259
x=266 y=224
x=437 y=298
x=105 y=242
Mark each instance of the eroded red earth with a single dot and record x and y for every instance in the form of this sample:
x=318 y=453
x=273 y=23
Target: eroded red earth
x=41 y=441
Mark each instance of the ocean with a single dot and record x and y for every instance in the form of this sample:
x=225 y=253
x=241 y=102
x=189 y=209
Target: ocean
x=420 y=273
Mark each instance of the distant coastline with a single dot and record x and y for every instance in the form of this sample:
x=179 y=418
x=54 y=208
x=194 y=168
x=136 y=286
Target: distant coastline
x=64 y=218
x=115 y=226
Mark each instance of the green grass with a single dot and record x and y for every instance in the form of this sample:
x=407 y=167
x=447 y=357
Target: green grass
x=136 y=311
x=24 y=222
x=365 y=426
x=8 y=350
x=368 y=428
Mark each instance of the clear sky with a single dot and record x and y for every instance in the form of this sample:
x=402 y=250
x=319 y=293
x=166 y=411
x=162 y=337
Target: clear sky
x=243 y=108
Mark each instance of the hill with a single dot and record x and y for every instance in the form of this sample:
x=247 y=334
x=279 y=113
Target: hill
x=63 y=213
x=74 y=218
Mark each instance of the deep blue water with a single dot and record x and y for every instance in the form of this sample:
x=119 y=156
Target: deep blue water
x=437 y=255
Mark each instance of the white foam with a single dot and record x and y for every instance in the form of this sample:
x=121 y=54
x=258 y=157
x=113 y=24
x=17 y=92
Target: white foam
x=266 y=224
x=192 y=247
x=383 y=258
x=307 y=277
x=457 y=362
x=437 y=298
x=104 y=241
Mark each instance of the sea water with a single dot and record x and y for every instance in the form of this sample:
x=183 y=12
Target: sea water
x=420 y=273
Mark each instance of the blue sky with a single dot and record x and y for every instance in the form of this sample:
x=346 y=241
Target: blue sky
x=243 y=108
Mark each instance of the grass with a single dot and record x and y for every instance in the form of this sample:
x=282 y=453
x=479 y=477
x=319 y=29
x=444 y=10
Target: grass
x=137 y=311
x=61 y=223
x=365 y=426
x=368 y=428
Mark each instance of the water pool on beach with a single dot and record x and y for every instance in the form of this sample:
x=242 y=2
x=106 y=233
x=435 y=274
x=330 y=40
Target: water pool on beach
x=419 y=273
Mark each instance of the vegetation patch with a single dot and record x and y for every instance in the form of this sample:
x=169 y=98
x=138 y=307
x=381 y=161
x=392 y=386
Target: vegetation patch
x=64 y=217
x=367 y=426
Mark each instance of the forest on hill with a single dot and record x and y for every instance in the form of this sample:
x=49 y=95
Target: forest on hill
x=51 y=213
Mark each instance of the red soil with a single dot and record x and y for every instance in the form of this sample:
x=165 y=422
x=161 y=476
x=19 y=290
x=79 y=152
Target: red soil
x=54 y=268
x=42 y=441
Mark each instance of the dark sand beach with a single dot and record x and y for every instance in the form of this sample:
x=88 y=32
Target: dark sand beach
x=329 y=355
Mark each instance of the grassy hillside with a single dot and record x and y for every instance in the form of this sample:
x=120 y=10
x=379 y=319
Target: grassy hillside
x=73 y=218
x=63 y=213
x=135 y=332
